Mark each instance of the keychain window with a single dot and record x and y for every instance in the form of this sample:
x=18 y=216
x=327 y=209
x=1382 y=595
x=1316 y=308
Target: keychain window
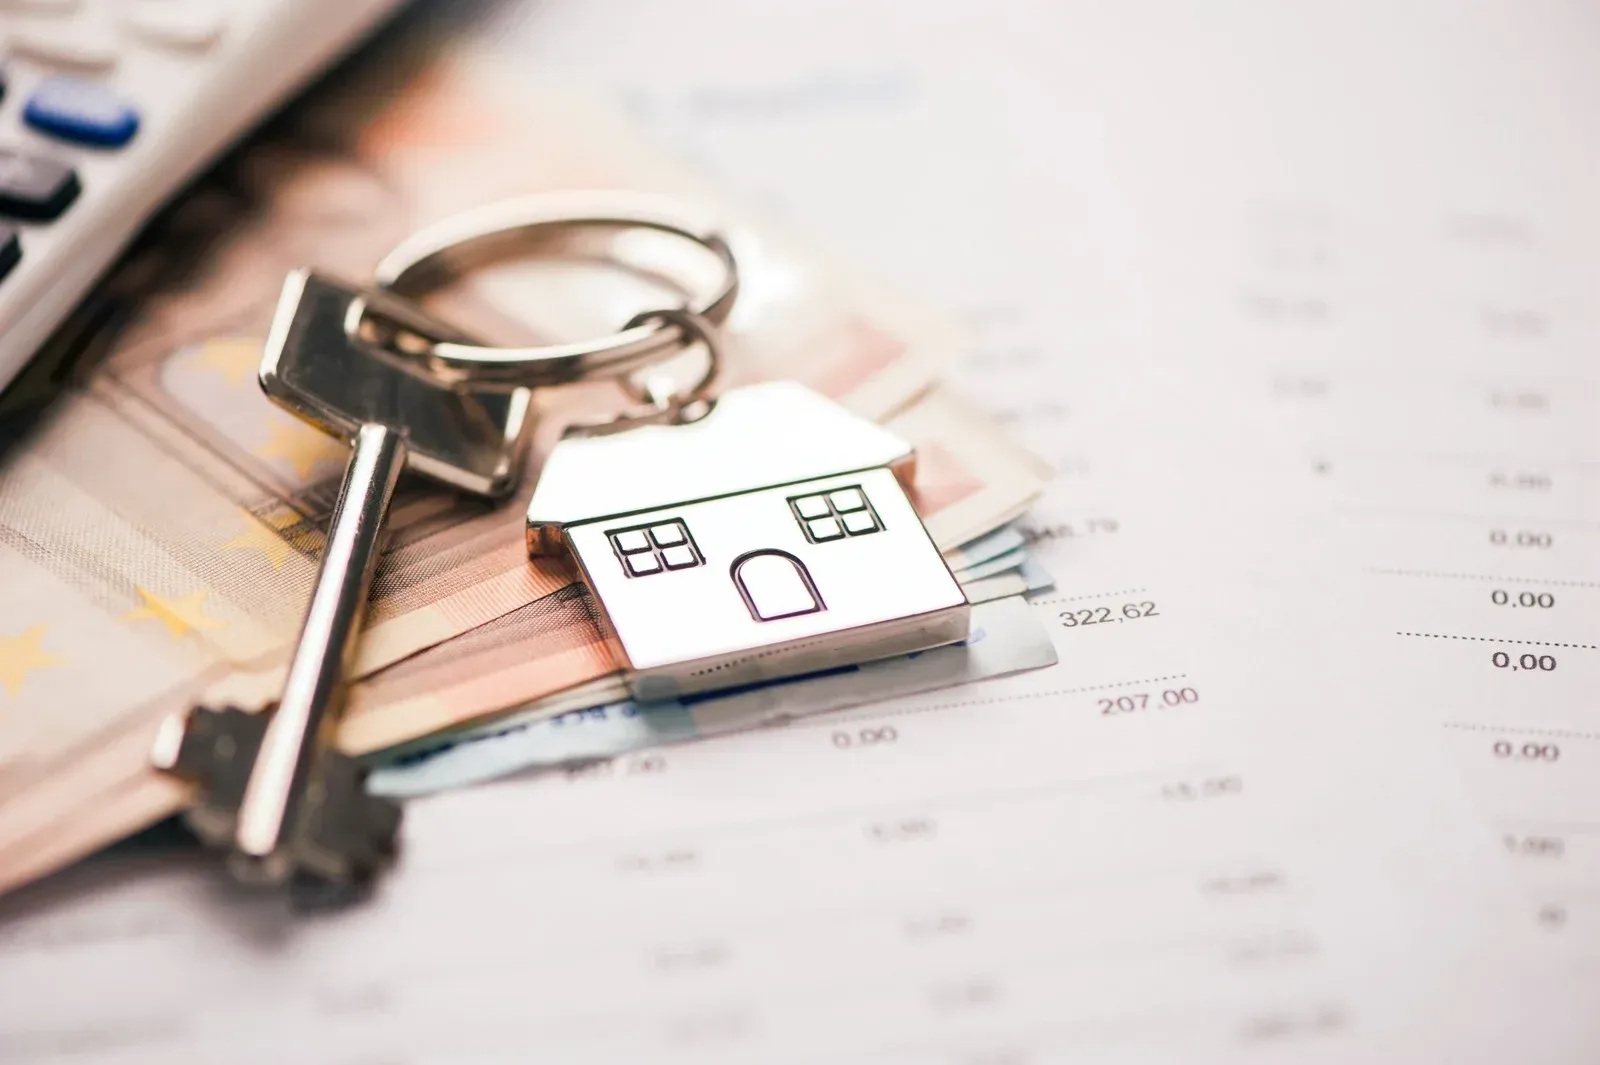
x=653 y=548
x=835 y=515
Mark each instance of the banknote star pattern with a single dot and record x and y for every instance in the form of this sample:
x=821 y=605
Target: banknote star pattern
x=20 y=655
x=235 y=358
x=265 y=535
x=181 y=615
x=299 y=445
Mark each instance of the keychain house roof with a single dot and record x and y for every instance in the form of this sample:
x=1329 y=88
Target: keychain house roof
x=771 y=537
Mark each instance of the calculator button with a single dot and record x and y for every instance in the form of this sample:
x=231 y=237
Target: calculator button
x=667 y=535
x=634 y=540
x=76 y=109
x=175 y=23
x=639 y=565
x=35 y=188
x=83 y=44
x=811 y=507
x=848 y=499
x=860 y=522
x=680 y=557
x=825 y=529
x=10 y=249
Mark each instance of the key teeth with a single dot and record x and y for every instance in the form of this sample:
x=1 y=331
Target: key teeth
x=361 y=830
x=350 y=834
x=214 y=750
x=345 y=835
x=309 y=893
x=212 y=743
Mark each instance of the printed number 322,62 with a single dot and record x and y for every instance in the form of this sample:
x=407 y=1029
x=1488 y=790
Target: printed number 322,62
x=1101 y=615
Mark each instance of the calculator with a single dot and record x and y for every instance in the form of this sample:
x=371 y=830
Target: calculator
x=108 y=107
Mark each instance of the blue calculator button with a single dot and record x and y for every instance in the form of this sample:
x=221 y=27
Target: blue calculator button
x=80 y=110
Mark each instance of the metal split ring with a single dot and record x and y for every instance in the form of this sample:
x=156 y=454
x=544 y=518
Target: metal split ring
x=657 y=392
x=450 y=248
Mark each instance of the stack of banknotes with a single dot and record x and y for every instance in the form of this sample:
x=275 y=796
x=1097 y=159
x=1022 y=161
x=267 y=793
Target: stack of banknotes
x=160 y=524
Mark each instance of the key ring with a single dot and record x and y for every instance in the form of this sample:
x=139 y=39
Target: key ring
x=661 y=403
x=449 y=248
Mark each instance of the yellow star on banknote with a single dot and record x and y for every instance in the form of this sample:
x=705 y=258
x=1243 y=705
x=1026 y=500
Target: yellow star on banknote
x=301 y=446
x=265 y=535
x=235 y=358
x=181 y=616
x=21 y=655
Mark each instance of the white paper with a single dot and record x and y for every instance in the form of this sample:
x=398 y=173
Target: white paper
x=1232 y=823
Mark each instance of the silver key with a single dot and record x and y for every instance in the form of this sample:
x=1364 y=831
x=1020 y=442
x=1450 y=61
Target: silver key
x=271 y=788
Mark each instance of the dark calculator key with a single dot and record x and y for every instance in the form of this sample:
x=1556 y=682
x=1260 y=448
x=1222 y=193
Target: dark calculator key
x=80 y=110
x=10 y=249
x=33 y=187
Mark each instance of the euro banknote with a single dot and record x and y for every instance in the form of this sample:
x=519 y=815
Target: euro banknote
x=1006 y=637
x=489 y=670
x=1001 y=563
x=545 y=646
x=1027 y=579
x=1002 y=541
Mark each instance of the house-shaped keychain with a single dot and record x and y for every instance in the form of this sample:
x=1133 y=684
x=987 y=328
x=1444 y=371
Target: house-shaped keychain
x=770 y=537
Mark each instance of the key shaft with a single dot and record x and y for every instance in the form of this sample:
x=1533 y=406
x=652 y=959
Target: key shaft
x=314 y=690
x=271 y=786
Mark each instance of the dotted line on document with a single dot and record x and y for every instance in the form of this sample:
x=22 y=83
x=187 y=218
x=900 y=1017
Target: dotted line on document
x=823 y=721
x=1564 y=733
x=1493 y=639
x=1075 y=598
x=1118 y=684
x=1481 y=577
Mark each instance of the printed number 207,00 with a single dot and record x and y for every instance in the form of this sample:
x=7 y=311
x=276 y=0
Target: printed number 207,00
x=1136 y=701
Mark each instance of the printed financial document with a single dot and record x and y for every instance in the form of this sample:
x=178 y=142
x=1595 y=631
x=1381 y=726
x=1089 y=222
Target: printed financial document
x=1297 y=303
